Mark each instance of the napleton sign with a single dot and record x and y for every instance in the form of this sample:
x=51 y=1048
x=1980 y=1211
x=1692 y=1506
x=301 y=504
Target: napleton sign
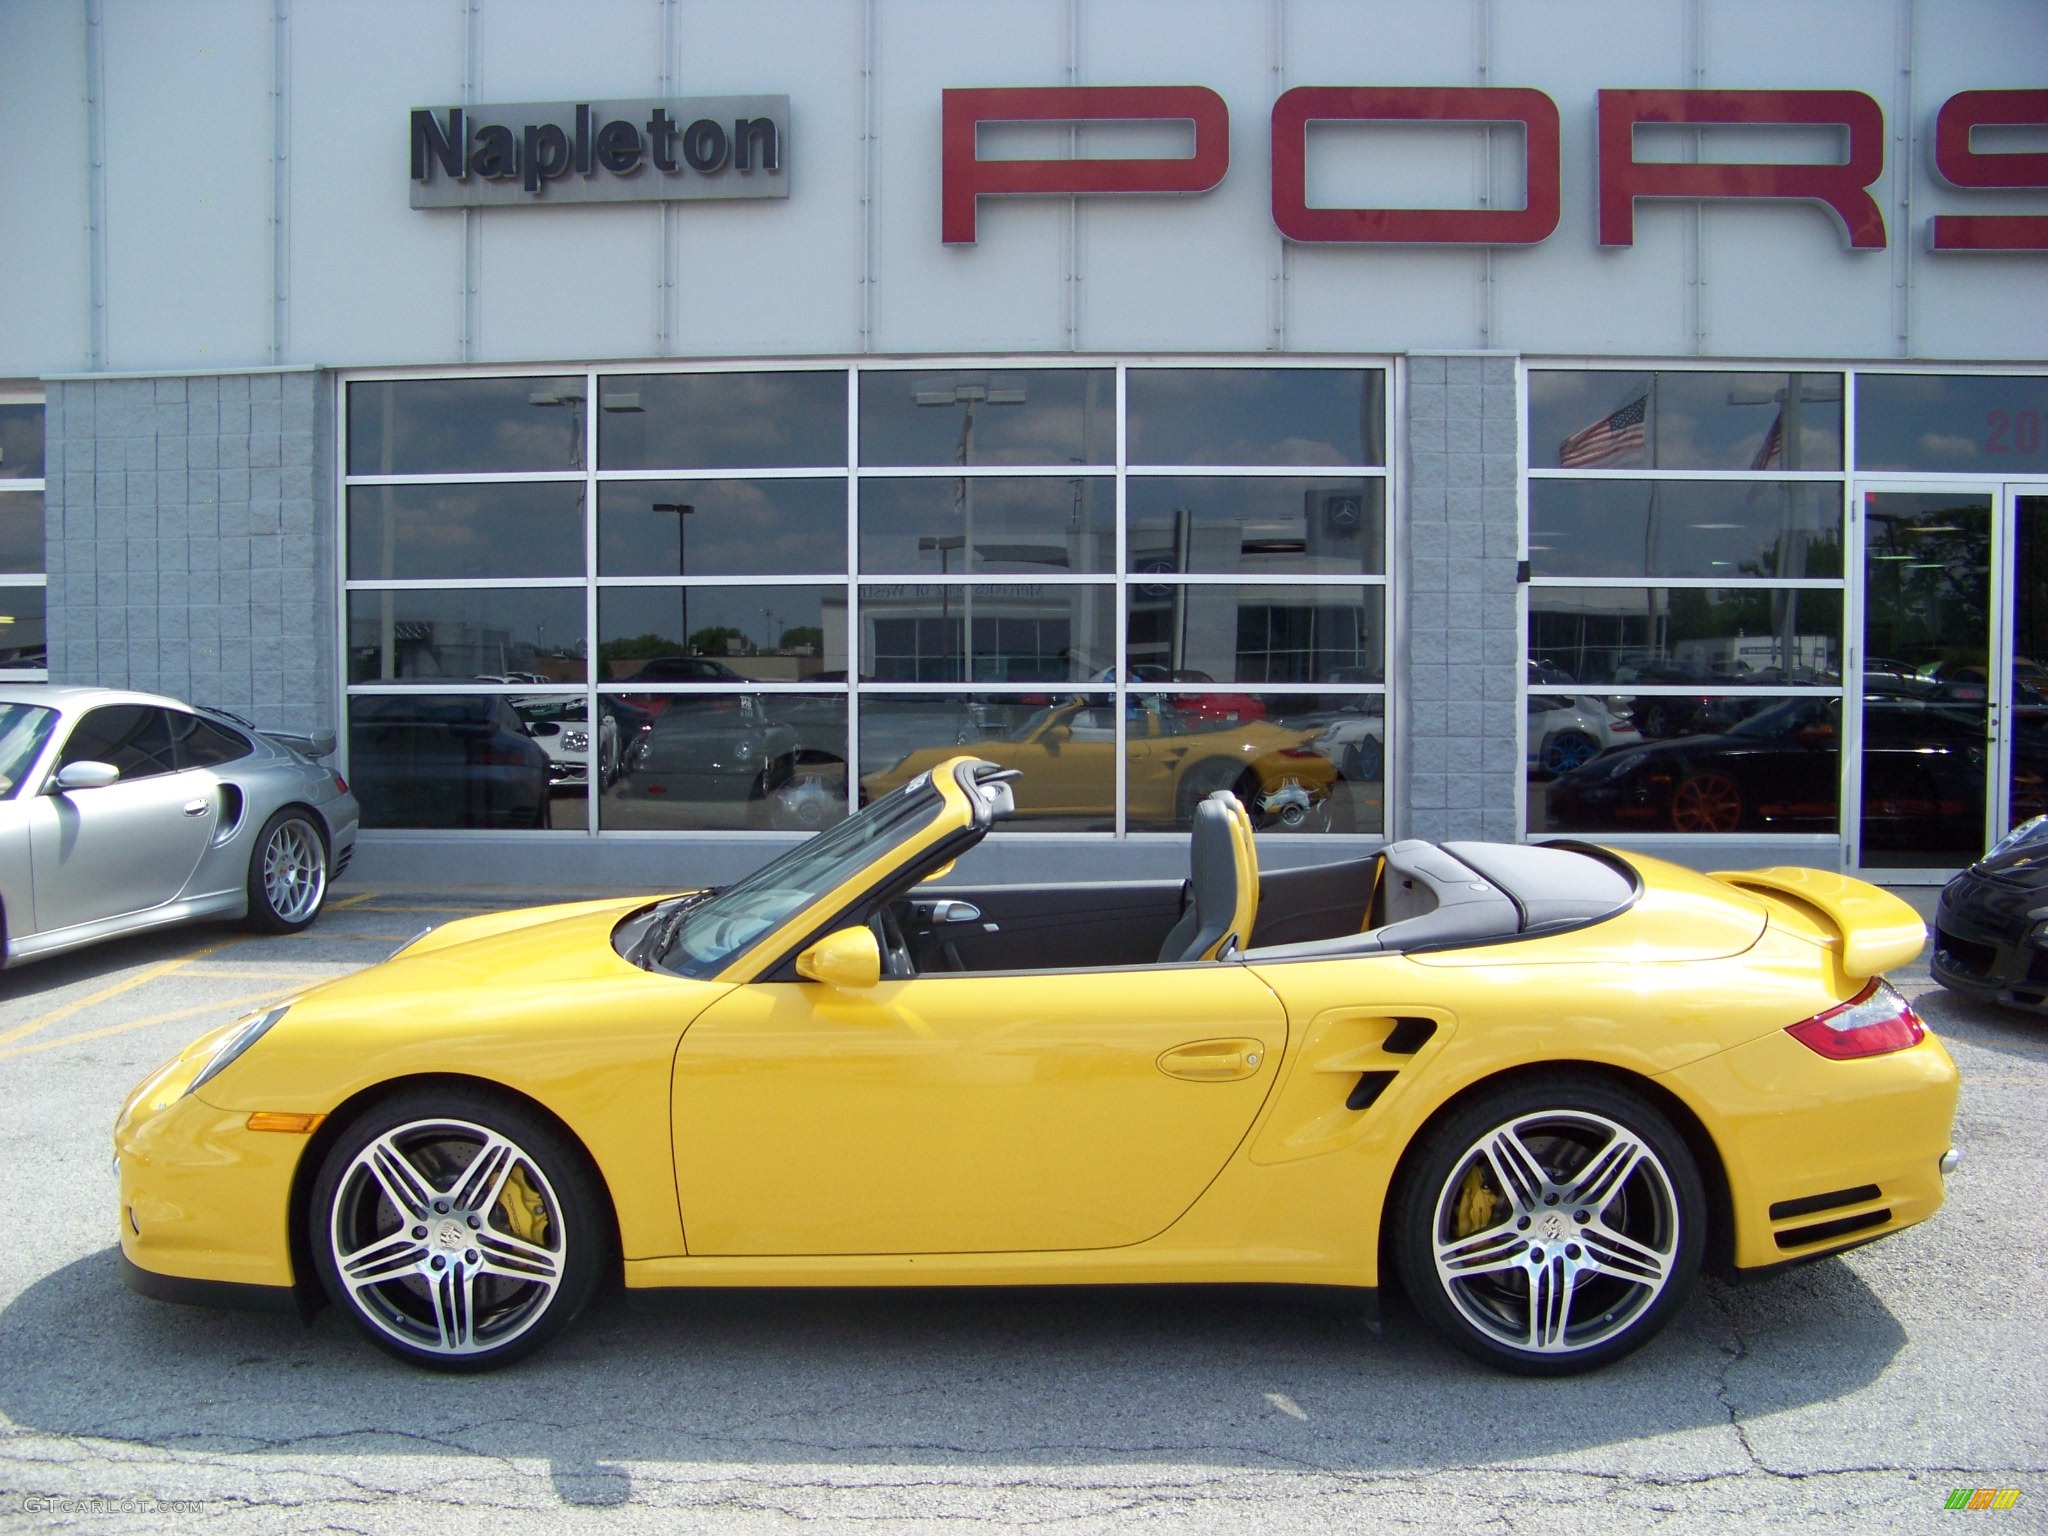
x=600 y=152
x=1841 y=187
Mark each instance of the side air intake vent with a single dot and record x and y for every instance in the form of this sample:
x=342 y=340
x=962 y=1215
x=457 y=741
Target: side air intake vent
x=1370 y=1086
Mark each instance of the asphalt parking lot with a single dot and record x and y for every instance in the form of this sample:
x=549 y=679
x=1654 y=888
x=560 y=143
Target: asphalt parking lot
x=1851 y=1395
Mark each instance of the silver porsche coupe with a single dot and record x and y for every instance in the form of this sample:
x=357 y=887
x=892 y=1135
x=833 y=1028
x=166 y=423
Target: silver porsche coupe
x=124 y=811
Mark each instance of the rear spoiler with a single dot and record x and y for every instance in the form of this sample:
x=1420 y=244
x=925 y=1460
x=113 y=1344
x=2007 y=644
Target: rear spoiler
x=306 y=744
x=1878 y=930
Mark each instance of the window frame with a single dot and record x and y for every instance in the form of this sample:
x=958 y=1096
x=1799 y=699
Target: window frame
x=39 y=579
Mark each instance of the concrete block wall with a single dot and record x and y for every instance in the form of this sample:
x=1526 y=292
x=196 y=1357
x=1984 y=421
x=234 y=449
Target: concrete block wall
x=1462 y=771
x=187 y=537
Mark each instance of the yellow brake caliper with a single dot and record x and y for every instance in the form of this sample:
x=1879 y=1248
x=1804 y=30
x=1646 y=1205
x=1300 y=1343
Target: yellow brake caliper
x=1477 y=1205
x=525 y=1212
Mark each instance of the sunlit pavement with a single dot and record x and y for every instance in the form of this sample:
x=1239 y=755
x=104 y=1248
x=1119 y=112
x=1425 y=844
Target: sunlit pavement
x=1851 y=1395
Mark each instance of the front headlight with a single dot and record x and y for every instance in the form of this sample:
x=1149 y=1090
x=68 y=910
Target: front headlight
x=1626 y=766
x=2033 y=830
x=252 y=1029
x=743 y=749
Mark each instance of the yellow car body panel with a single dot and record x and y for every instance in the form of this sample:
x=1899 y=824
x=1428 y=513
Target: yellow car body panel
x=1138 y=1123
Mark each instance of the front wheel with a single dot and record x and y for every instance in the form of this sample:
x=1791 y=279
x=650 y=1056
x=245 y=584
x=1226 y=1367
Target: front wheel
x=287 y=873
x=1551 y=1227
x=456 y=1229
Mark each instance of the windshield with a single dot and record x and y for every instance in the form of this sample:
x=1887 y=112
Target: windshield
x=1783 y=719
x=710 y=934
x=23 y=730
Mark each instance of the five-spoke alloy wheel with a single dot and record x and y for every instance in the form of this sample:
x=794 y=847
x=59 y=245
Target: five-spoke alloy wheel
x=457 y=1230
x=1551 y=1227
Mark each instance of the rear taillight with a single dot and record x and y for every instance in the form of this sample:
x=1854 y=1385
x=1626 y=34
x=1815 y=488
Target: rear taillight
x=1877 y=1021
x=341 y=784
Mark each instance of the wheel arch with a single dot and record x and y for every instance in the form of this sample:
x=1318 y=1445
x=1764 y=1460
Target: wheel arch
x=1706 y=1154
x=305 y=1277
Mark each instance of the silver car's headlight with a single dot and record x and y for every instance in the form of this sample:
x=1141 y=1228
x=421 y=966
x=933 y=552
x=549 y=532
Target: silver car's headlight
x=252 y=1029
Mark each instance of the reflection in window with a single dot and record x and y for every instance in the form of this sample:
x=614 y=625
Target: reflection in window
x=1041 y=416
x=720 y=633
x=1684 y=419
x=1936 y=423
x=429 y=532
x=1309 y=416
x=1927 y=586
x=1299 y=763
x=1724 y=636
x=21 y=533
x=24 y=639
x=1613 y=527
x=21 y=442
x=1019 y=632
x=1253 y=526
x=465 y=426
x=450 y=761
x=721 y=527
x=722 y=420
x=1730 y=764
x=727 y=762
x=1262 y=634
x=425 y=635
x=921 y=526
x=1063 y=744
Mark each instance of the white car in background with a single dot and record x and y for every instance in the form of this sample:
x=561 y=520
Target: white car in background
x=1566 y=729
x=1356 y=741
x=561 y=724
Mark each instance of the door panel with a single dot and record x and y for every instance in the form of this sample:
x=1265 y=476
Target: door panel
x=100 y=853
x=957 y=1114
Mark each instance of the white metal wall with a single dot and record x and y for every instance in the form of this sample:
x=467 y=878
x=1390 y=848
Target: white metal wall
x=225 y=225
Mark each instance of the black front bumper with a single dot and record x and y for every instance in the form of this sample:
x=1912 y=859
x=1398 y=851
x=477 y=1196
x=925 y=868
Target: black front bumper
x=1985 y=953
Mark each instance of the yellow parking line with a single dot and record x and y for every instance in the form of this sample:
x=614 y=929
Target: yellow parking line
x=282 y=974
x=385 y=938
x=351 y=901
x=253 y=999
x=44 y=1020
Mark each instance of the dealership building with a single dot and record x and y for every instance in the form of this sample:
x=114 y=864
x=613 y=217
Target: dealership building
x=641 y=430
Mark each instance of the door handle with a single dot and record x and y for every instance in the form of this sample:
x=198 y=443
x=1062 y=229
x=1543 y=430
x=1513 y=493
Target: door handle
x=1213 y=1061
x=955 y=912
x=198 y=807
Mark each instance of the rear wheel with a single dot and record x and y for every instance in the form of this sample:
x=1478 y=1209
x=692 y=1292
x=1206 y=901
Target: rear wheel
x=1551 y=1227
x=1566 y=750
x=287 y=873
x=1706 y=802
x=457 y=1229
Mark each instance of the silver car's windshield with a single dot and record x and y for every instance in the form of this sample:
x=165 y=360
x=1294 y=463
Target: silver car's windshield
x=23 y=730
x=712 y=932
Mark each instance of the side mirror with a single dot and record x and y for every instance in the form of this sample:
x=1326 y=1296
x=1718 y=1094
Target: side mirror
x=849 y=958
x=85 y=775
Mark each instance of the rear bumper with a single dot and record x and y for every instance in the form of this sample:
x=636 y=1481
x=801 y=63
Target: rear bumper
x=1823 y=1155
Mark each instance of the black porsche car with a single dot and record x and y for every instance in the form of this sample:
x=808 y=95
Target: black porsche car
x=1991 y=924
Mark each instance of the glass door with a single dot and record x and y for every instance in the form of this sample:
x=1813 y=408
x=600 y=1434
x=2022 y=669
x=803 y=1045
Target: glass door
x=1932 y=680
x=2023 y=771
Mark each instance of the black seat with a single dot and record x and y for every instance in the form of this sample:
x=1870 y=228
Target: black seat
x=1223 y=881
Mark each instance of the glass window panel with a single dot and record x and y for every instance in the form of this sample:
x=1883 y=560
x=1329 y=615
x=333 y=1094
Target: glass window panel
x=1718 y=636
x=920 y=526
x=133 y=737
x=1245 y=526
x=1021 y=632
x=728 y=762
x=1064 y=745
x=988 y=416
x=203 y=744
x=722 y=634
x=1741 y=763
x=1298 y=762
x=23 y=638
x=1983 y=423
x=1684 y=528
x=21 y=442
x=428 y=635
x=465 y=426
x=452 y=761
x=1673 y=419
x=721 y=420
x=1927 y=585
x=1313 y=416
x=721 y=527
x=21 y=533
x=1257 y=634
x=429 y=532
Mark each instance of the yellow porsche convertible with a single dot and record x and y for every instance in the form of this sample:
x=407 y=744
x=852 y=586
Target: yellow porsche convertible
x=1541 y=1085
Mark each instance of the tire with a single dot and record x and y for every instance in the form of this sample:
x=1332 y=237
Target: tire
x=472 y=1290
x=1366 y=762
x=1566 y=750
x=1203 y=780
x=1706 y=802
x=288 y=872
x=1519 y=1280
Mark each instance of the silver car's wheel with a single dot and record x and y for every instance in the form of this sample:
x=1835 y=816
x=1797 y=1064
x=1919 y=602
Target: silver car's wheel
x=1552 y=1230
x=287 y=873
x=456 y=1240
